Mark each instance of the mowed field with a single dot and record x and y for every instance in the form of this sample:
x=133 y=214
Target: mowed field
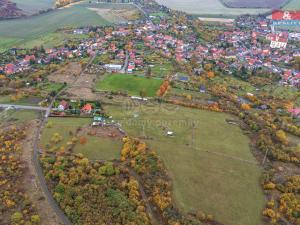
x=34 y=6
x=214 y=171
x=129 y=83
x=211 y=7
x=40 y=29
x=94 y=148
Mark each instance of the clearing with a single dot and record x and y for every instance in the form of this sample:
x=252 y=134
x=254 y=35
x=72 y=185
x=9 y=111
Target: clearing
x=211 y=165
x=134 y=85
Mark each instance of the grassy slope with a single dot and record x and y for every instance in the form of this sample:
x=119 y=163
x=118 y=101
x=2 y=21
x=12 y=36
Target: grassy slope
x=23 y=31
x=213 y=7
x=34 y=6
x=95 y=148
x=130 y=83
x=222 y=186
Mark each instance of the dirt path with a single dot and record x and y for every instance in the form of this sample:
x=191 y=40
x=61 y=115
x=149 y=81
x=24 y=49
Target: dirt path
x=31 y=182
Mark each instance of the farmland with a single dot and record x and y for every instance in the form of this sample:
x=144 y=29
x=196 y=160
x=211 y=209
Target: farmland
x=34 y=6
x=40 y=29
x=214 y=168
x=212 y=7
x=134 y=85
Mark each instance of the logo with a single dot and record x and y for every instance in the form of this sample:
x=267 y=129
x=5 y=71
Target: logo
x=285 y=15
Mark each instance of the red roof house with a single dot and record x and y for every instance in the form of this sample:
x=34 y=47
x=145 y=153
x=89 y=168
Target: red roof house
x=87 y=109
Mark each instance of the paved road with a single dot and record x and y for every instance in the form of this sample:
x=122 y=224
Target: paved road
x=125 y=67
x=23 y=107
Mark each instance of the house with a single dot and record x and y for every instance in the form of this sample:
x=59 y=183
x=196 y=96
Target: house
x=63 y=105
x=10 y=69
x=87 y=109
x=295 y=112
x=113 y=67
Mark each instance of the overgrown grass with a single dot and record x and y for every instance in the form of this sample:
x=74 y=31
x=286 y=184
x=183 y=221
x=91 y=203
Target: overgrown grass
x=207 y=165
x=130 y=83
x=94 y=148
x=65 y=127
x=30 y=100
x=17 y=116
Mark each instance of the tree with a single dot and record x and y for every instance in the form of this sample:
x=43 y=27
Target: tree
x=281 y=136
x=35 y=219
x=245 y=106
x=16 y=217
x=210 y=74
x=82 y=140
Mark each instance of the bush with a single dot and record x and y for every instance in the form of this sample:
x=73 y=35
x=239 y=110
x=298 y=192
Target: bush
x=16 y=217
x=35 y=219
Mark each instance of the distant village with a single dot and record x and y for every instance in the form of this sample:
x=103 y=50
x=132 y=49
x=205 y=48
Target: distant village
x=245 y=45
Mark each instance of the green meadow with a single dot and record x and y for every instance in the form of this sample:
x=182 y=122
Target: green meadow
x=131 y=84
x=208 y=159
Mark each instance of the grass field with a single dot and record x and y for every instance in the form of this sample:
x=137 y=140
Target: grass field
x=17 y=116
x=130 y=83
x=283 y=92
x=34 y=6
x=40 y=29
x=211 y=175
x=100 y=148
x=94 y=148
x=49 y=87
x=211 y=7
x=31 y=100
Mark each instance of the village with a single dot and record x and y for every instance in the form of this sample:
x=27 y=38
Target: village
x=158 y=118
